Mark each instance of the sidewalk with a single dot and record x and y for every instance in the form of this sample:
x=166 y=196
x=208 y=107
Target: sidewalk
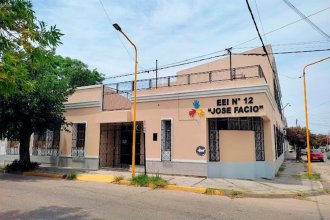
x=286 y=184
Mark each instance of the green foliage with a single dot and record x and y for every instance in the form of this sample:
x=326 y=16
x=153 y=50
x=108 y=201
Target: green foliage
x=23 y=39
x=140 y=180
x=18 y=166
x=71 y=176
x=213 y=191
x=145 y=180
x=313 y=176
x=118 y=179
x=34 y=82
x=76 y=71
x=157 y=182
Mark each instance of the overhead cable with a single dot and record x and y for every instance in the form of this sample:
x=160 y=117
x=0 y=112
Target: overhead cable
x=307 y=19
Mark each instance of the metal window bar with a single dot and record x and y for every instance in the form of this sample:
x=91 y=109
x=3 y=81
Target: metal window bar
x=47 y=143
x=12 y=147
x=243 y=123
x=166 y=140
x=78 y=140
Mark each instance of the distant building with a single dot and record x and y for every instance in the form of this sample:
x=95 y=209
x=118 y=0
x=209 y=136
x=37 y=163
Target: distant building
x=208 y=120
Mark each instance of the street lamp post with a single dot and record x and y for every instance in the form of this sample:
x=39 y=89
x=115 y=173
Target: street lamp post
x=118 y=28
x=306 y=115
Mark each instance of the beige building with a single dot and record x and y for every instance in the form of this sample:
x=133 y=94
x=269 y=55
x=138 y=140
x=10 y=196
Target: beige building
x=208 y=120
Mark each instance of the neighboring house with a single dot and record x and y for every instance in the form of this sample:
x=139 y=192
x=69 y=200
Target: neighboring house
x=207 y=120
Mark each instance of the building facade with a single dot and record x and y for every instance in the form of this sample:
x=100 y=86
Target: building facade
x=210 y=120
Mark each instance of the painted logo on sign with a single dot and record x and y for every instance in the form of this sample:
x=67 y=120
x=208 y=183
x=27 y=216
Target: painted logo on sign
x=196 y=109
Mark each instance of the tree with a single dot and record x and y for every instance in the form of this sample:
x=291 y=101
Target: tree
x=77 y=71
x=22 y=37
x=35 y=82
x=42 y=108
x=296 y=136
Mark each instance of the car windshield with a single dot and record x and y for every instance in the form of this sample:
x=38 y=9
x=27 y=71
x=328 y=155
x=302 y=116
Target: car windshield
x=316 y=150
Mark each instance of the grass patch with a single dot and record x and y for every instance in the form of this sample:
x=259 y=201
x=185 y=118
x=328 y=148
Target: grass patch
x=282 y=168
x=327 y=191
x=233 y=193
x=300 y=196
x=313 y=176
x=213 y=191
x=71 y=176
x=145 y=180
x=118 y=179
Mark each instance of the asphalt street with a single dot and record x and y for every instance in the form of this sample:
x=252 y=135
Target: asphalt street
x=42 y=198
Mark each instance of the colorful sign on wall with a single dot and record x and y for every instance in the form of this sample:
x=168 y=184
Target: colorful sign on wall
x=196 y=110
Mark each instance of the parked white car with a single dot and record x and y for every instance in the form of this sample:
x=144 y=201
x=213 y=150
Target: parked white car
x=303 y=151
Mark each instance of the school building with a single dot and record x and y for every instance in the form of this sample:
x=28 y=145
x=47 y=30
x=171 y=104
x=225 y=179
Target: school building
x=209 y=120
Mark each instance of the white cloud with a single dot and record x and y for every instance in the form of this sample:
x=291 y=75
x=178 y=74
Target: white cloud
x=171 y=30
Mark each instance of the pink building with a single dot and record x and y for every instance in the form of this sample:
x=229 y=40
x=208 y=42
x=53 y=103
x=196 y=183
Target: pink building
x=208 y=120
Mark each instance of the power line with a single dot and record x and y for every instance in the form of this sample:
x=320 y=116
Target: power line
x=284 y=52
x=217 y=56
x=284 y=26
x=110 y=20
x=307 y=19
x=167 y=67
x=262 y=42
x=262 y=27
x=147 y=70
x=122 y=43
x=290 y=44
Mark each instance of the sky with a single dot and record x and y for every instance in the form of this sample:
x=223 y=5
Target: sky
x=175 y=30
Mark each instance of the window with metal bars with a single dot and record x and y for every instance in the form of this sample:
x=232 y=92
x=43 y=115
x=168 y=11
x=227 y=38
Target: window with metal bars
x=279 y=141
x=78 y=139
x=166 y=142
x=242 y=123
x=46 y=143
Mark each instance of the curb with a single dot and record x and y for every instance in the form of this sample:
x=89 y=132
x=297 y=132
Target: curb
x=101 y=178
x=199 y=190
x=104 y=178
x=49 y=175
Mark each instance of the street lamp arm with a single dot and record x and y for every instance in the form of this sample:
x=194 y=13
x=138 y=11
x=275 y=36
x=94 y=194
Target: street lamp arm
x=314 y=63
x=129 y=40
x=306 y=114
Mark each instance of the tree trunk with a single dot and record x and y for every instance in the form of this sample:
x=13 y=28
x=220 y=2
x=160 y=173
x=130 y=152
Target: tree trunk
x=24 y=148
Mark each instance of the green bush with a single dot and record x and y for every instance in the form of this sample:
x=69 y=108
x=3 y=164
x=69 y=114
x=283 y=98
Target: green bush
x=140 y=180
x=71 y=176
x=18 y=166
x=145 y=180
x=157 y=181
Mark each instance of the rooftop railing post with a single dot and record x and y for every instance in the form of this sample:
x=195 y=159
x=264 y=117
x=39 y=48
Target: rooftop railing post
x=150 y=83
x=117 y=87
x=168 y=81
x=234 y=73
x=132 y=85
x=103 y=97
x=210 y=76
x=188 y=79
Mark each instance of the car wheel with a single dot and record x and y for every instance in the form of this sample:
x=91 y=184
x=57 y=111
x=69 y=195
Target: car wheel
x=322 y=160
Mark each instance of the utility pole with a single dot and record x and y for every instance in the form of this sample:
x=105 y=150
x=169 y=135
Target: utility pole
x=296 y=122
x=156 y=72
x=230 y=64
